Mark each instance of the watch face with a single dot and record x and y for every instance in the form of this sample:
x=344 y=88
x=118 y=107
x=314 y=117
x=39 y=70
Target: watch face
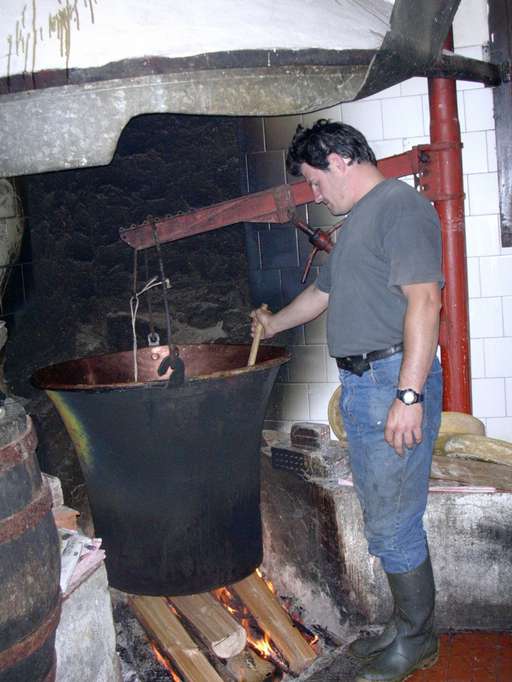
x=409 y=397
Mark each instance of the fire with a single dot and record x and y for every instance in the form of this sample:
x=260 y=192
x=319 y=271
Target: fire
x=314 y=642
x=227 y=600
x=258 y=640
x=164 y=662
x=267 y=582
x=263 y=646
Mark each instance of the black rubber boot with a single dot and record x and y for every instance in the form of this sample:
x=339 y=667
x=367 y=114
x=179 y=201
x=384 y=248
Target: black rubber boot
x=366 y=648
x=414 y=646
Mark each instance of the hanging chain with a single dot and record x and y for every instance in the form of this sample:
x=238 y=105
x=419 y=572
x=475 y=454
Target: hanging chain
x=173 y=360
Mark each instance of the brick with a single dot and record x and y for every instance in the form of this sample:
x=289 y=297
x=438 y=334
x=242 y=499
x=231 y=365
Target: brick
x=308 y=434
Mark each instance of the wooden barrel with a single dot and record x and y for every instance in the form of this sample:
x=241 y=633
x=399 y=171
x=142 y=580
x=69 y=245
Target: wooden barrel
x=29 y=566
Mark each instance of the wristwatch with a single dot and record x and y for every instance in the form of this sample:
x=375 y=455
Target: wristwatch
x=409 y=396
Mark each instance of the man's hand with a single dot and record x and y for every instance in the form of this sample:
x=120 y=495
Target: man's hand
x=262 y=316
x=403 y=426
x=310 y=303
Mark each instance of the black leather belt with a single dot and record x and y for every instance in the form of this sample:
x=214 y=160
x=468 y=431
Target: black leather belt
x=359 y=364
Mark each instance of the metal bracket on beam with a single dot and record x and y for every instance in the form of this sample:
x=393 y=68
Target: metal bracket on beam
x=422 y=161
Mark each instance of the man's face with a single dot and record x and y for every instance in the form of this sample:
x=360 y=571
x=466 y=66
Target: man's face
x=330 y=186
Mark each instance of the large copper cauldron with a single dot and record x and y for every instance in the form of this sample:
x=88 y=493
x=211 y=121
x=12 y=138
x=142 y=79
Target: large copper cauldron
x=172 y=472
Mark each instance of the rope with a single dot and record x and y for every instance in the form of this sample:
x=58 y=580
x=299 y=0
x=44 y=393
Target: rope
x=134 y=307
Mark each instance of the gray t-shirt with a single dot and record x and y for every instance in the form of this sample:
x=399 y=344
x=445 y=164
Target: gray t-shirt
x=391 y=237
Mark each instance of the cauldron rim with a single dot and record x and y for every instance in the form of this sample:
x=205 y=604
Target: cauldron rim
x=53 y=376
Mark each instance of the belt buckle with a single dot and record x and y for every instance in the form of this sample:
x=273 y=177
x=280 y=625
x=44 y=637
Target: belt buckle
x=360 y=366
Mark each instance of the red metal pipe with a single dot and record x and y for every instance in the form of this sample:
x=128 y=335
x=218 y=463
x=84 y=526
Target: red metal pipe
x=454 y=337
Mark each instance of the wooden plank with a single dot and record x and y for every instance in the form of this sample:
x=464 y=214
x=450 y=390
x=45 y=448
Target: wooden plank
x=273 y=619
x=159 y=621
x=249 y=667
x=471 y=472
x=222 y=634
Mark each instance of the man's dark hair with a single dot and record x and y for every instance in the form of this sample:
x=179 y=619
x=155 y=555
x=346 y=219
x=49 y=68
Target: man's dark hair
x=313 y=146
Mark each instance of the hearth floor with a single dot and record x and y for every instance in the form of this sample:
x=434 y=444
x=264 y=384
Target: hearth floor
x=464 y=657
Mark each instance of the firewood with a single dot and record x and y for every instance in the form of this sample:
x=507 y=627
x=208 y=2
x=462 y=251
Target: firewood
x=55 y=489
x=157 y=618
x=249 y=667
x=471 y=472
x=222 y=634
x=65 y=517
x=472 y=446
x=273 y=619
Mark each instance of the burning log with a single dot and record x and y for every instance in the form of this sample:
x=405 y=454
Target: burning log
x=249 y=667
x=164 y=626
x=274 y=620
x=223 y=635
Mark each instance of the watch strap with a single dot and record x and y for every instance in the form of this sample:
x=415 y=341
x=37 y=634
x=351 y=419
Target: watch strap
x=400 y=394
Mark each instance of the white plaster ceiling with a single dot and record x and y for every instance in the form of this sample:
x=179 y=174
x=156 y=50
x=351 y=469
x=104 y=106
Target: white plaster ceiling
x=58 y=34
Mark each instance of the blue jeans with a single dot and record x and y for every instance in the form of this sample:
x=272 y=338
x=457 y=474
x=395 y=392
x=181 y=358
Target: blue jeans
x=392 y=490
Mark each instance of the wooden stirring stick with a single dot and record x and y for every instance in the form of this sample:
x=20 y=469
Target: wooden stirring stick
x=256 y=340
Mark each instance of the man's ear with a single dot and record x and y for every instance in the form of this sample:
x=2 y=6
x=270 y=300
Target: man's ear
x=338 y=162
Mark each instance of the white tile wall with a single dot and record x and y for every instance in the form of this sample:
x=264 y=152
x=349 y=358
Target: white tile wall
x=307 y=364
x=479 y=110
x=507 y=315
x=477 y=358
x=473 y=161
x=482 y=235
x=332 y=113
x=461 y=110
x=315 y=331
x=498 y=357
x=489 y=398
x=426 y=114
x=320 y=216
x=470 y=23
x=414 y=86
x=279 y=130
x=508 y=393
x=393 y=91
x=319 y=396
x=483 y=193
x=383 y=148
x=499 y=427
x=485 y=317
x=402 y=117
x=366 y=116
x=473 y=272
x=332 y=368
x=492 y=161
x=290 y=402
x=496 y=275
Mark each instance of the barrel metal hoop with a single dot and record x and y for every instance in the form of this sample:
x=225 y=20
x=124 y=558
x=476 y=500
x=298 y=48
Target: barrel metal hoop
x=28 y=517
x=32 y=642
x=19 y=449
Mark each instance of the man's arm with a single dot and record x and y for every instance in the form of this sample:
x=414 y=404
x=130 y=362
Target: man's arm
x=421 y=330
x=309 y=304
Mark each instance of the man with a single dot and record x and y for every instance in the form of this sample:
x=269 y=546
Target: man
x=381 y=288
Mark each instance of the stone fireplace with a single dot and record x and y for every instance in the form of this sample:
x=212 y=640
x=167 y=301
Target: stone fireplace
x=76 y=277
